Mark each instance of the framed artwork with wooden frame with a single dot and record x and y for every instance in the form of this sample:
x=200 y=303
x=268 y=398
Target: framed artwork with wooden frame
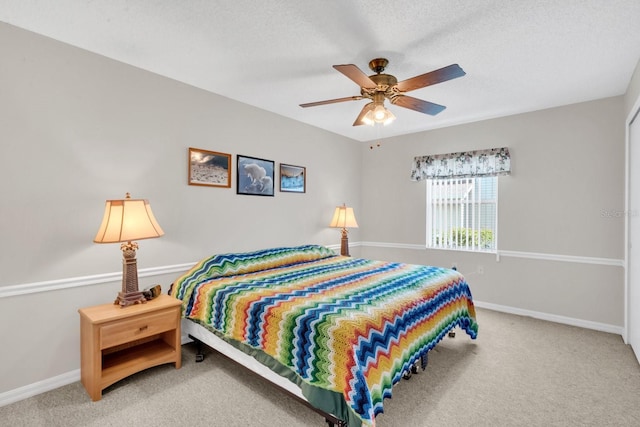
x=293 y=179
x=209 y=168
x=255 y=176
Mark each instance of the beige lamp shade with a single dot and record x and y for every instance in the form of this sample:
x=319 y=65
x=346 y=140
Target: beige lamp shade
x=127 y=220
x=343 y=217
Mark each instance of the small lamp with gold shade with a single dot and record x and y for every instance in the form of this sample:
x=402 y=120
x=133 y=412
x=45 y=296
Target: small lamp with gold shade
x=124 y=221
x=343 y=217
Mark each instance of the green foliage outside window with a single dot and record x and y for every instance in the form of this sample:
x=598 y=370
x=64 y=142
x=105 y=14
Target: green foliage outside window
x=464 y=237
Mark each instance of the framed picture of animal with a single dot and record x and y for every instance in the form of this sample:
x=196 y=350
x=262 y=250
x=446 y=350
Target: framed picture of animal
x=209 y=168
x=255 y=176
x=293 y=179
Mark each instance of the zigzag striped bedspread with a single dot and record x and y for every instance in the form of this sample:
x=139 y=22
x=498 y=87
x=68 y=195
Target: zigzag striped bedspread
x=347 y=325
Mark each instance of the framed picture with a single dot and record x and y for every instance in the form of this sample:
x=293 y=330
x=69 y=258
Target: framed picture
x=255 y=176
x=293 y=179
x=209 y=168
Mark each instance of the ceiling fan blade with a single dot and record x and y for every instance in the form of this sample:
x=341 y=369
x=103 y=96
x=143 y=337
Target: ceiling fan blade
x=356 y=74
x=364 y=111
x=331 y=101
x=438 y=76
x=416 y=104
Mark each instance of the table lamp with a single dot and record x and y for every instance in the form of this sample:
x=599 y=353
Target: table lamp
x=344 y=218
x=126 y=220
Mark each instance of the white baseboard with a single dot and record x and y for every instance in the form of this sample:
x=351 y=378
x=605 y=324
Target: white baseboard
x=40 y=387
x=43 y=386
x=587 y=324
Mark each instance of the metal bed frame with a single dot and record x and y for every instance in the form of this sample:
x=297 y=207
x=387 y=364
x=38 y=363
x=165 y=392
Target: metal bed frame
x=202 y=337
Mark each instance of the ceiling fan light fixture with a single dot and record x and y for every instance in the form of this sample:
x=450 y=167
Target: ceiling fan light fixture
x=368 y=119
x=379 y=114
x=390 y=117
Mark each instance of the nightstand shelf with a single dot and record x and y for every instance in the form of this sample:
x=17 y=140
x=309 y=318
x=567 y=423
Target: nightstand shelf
x=117 y=342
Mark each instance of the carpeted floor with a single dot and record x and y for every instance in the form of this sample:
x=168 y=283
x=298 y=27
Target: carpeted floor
x=519 y=372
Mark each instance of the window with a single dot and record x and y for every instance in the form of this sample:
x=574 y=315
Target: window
x=462 y=197
x=462 y=213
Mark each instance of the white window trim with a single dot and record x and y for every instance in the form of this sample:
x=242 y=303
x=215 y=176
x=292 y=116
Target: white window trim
x=429 y=215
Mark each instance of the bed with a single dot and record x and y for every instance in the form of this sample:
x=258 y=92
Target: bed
x=335 y=331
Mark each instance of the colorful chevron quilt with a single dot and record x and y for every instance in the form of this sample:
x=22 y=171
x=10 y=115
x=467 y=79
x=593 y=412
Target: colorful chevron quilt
x=352 y=326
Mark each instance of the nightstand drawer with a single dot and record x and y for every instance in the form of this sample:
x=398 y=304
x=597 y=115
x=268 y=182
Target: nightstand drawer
x=137 y=327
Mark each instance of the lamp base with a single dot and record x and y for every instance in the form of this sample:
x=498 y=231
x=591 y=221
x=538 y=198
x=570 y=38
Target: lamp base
x=130 y=294
x=344 y=243
x=130 y=298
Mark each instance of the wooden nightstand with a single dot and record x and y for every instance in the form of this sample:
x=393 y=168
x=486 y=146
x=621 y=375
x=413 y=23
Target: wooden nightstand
x=116 y=342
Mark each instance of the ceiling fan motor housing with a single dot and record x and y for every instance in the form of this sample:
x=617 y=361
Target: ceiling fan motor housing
x=385 y=84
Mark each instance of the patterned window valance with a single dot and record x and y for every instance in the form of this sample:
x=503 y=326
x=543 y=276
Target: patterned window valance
x=470 y=164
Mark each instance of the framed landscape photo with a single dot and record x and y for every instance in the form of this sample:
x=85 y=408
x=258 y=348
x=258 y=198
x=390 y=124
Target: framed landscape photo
x=209 y=168
x=255 y=176
x=293 y=179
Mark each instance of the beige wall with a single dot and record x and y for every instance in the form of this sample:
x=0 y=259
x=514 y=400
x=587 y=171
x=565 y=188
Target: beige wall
x=560 y=227
x=78 y=129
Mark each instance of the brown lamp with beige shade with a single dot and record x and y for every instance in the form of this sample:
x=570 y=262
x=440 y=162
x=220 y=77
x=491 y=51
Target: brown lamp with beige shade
x=343 y=217
x=124 y=221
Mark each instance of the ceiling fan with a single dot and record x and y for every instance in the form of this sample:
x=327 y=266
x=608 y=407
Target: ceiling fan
x=380 y=86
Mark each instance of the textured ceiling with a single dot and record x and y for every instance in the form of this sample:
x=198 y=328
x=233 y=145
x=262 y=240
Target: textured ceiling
x=519 y=55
